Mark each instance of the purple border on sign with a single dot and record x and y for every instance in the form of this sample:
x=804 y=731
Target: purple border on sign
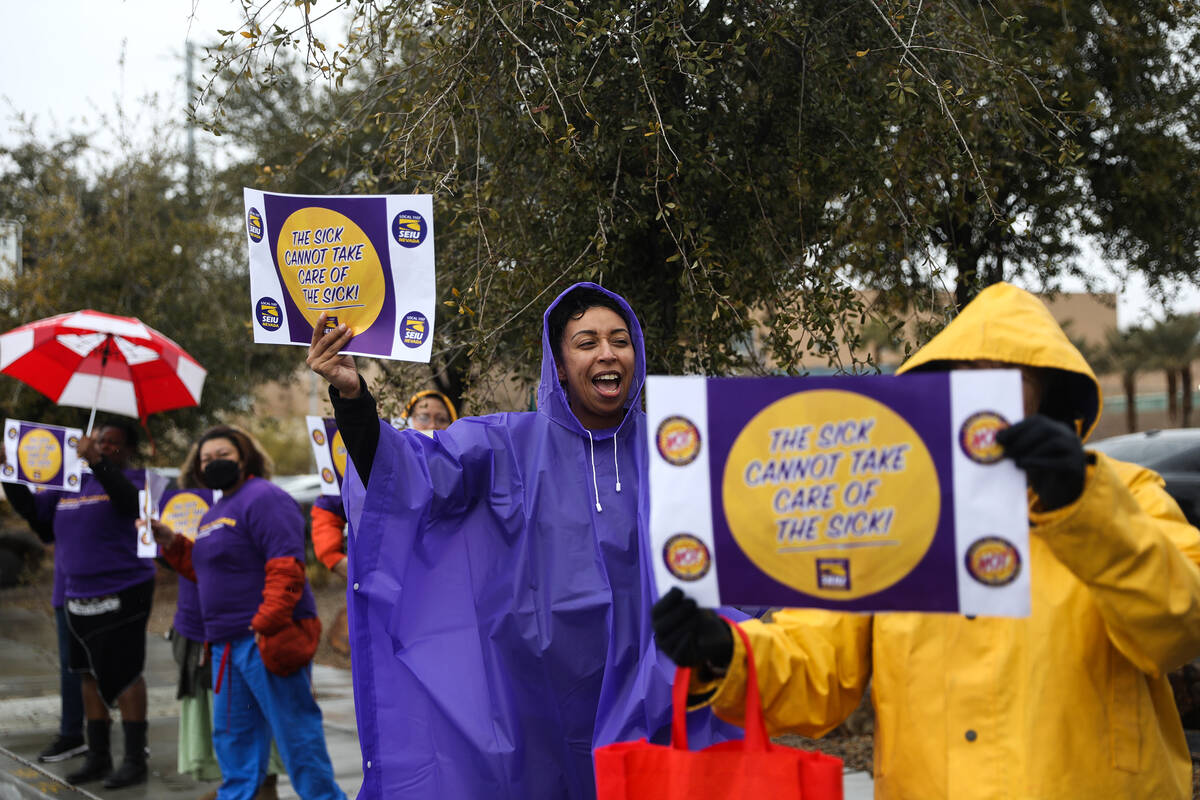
x=923 y=401
x=331 y=431
x=59 y=479
x=370 y=214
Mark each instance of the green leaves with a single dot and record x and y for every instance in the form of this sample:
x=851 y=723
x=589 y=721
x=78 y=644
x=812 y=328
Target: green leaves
x=732 y=168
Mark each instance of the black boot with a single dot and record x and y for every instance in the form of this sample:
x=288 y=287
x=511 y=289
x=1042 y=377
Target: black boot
x=133 y=766
x=99 y=760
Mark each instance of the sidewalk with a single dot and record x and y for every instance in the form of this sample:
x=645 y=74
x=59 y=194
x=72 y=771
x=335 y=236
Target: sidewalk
x=29 y=719
x=29 y=709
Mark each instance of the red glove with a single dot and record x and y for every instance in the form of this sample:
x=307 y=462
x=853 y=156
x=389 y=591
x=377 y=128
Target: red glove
x=281 y=592
x=179 y=555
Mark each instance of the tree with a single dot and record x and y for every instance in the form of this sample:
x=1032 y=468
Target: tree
x=1172 y=347
x=728 y=165
x=126 y=239
x=1125 y=352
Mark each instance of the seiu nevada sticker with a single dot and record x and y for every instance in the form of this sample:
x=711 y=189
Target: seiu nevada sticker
x=268 y=314
x=254 y=224
x=414 y=329
x=409 y=229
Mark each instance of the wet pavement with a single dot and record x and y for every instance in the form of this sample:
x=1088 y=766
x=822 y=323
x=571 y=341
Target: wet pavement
x=29 y=711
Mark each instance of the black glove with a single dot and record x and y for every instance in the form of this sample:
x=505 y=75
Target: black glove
x=692 y=636
x=1051 y=455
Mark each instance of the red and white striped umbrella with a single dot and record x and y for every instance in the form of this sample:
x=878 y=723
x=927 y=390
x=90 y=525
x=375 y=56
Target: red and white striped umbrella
x=100 y=361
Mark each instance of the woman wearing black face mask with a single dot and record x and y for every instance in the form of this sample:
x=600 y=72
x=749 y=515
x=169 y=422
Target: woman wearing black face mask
x=259 y=614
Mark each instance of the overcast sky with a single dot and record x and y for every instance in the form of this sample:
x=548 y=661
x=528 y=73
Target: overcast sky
x=66 y=64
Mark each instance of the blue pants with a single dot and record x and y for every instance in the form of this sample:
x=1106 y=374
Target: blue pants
x=71 y=713
x=255 y=704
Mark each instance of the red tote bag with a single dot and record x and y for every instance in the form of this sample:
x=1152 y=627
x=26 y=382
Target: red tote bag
x=752 y=767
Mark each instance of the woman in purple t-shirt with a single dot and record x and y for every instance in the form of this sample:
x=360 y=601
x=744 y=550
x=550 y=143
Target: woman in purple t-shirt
x=260 y=616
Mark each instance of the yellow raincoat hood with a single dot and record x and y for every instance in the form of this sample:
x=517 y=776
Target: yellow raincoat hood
x=1005 y=323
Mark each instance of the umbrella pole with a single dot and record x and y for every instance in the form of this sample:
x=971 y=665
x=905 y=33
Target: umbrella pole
x=99 y=380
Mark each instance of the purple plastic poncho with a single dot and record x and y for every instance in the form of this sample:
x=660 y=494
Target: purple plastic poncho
x=500 y=623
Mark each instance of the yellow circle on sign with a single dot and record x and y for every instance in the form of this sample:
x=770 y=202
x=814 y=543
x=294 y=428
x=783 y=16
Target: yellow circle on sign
x=831 y=493
x=338 y=448
x=183 y=512
x=40 y=455
x=329 y=265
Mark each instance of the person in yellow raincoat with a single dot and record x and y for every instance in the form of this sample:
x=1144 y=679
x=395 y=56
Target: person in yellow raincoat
x=1071 y=702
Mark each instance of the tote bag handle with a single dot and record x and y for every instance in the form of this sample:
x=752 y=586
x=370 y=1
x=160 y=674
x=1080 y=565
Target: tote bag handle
x=756 y=729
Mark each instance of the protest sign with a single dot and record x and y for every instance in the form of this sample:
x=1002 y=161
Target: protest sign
x=182 y=509
x=148 y=505
x=329 y=452
x=878 y=493
x=41 y=455
x=365 y=261
x=179 y=509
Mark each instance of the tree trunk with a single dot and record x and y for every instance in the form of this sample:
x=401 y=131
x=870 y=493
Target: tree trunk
x=1129 y=381
x=1185 y=378
x=449 y=376
x=1172 y=397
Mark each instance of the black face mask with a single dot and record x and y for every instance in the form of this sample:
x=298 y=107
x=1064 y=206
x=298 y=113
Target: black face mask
x=221 y=473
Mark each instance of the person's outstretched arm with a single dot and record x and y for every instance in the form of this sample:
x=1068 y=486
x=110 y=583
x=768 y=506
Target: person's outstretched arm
x=812 y=665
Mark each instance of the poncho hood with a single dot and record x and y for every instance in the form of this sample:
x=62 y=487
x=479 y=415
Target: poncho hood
x=1006 y=323
x=552 y=397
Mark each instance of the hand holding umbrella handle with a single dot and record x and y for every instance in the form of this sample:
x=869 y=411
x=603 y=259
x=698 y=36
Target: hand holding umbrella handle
x=88 y=449
x=325 y=358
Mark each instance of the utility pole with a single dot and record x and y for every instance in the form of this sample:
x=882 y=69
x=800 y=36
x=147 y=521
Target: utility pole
x=191 y=130
x=11 y=231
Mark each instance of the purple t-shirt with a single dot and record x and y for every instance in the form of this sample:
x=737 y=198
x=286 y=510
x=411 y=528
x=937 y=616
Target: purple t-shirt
x=236 y=538
x=189 y=622
x=44 y=501
x=96 y=546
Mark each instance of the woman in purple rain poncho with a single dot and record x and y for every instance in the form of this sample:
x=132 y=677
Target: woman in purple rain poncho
x=500 y=590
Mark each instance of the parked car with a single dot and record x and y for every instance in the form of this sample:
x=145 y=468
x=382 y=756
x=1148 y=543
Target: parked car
x=1173 y=453
x=304 y=489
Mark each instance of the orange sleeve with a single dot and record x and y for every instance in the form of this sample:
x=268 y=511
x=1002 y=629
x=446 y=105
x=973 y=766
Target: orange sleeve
x=281 y=592
x=327 y=536
x=179 y=555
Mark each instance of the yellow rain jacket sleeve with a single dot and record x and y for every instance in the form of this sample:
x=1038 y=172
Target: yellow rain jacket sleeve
x=1071 y=703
